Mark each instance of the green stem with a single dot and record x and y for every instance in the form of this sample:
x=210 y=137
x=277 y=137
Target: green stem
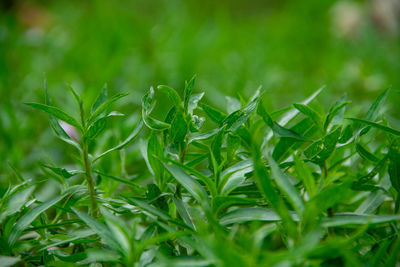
x=331 y=210
x=89 y=179
x=182 y=153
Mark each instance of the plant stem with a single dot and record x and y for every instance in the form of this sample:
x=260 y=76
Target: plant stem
x=325 y=170
x=331 y=210
x=89 y=179
x=182 y=153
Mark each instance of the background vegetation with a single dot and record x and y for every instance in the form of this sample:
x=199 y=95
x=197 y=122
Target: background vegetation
x=288 y=47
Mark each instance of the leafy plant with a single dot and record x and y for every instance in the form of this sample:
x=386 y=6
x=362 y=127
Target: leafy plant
x=241 y=187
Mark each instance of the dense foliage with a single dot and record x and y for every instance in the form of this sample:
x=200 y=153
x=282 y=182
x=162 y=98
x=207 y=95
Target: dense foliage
x=205 y=187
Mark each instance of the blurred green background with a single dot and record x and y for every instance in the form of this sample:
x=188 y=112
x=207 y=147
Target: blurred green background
x=291 y=48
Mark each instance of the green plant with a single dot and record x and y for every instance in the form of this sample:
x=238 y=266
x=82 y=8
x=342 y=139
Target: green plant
x=245 y=187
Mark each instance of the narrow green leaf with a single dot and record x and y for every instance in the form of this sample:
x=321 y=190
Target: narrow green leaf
x=281 y=132
x=97 y=127
x=334 y=110
x=375 y=198
x=148 y=104
x=364 y=153
x=188 y=92
x=101 y=98
x=172 y=94
x=308 y=111
x=135 y=186
x=286 y=186
x=99 y=124
x=56 y=112
x=204 y=136
x=285 y=146
x=305 y=175
x=293 y=112
x=79 y=234
x=232 y=179
x=347 y=134
x=62 y=171
x=374 y=109
x=155 y=124
x=234 y=120
x=250 y=214
x=191 y=185
x=223 y=202
x=328 y=197
x=265 y=186
x=216 y=145
x=105 y=105
x=183 y=212
x=58 y=130
x=119 y=229
x=380 y=165
x=278 y=130
x=377 y=126
x=394 y=164
x=214 y=114
x=29 y=217
x=149 y=208
x=80 y=104
x=15 y=202
x=206 y=180
x=129 y=139
x=328 y=146
x=99 y=229
x=65 y=257
x=154 y=152
x=347 y=220
x=179 y=128
x=75 y=94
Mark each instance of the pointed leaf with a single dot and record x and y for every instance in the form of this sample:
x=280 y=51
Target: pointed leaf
x=179 y=128
x=172 y=94
x=394 y=164
x=377 y=126
x=101 y=98
x=129 y=139
x=56 y=112
x=188 y=92
x=29 y=217
x=286 y=186
x=308 y=111
x=100 y=229
x=191 y=185
x=104 y=106
x=249 y=214
x=183 y=211
x=214 y=114
x=62 y=171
